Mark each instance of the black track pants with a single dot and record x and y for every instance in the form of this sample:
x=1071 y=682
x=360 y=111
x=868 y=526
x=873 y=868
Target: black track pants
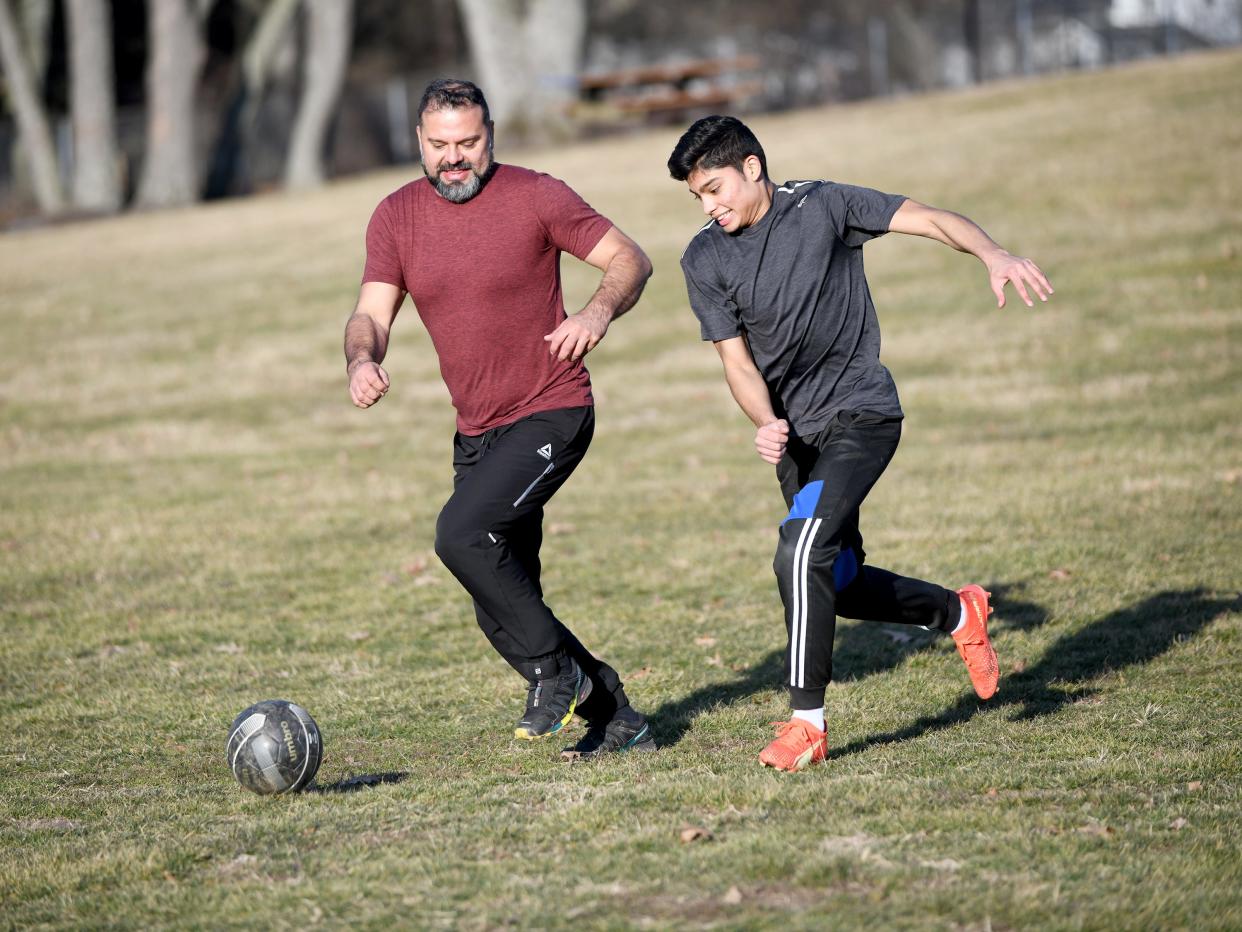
x=819 y=563
x=490 y=531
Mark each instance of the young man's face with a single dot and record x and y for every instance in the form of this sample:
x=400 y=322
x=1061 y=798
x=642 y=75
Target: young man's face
x=457 y=151
x=734 y=199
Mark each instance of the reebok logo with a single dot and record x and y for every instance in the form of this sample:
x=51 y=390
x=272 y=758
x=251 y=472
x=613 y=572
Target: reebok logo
x=545 y=451
x=803 y=201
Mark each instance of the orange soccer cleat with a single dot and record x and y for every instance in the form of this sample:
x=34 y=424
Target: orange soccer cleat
x=797 y=745
x=973 y=643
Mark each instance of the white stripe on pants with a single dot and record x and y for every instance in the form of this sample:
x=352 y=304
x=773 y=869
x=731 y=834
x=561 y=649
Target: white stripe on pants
x=797 y=636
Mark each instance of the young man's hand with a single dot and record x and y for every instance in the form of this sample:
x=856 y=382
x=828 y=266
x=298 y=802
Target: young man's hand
x=368 y=383
x=770 y=440
x=577 y=335
x=1003 y=267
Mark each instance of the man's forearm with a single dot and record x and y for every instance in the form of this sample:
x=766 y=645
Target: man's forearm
x=365 y=341
x=750 y=392
x=622 y=285
x=963 y=234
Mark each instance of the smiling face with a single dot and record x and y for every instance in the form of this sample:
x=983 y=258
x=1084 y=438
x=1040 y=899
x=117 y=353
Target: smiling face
x=456 y=145
x=733 y=199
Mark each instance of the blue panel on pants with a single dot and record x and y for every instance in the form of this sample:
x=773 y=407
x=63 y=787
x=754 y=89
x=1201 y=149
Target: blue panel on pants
x=805 y=501
x=844 y=568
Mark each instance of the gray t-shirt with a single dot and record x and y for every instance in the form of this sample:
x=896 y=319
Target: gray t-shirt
x=793 y=285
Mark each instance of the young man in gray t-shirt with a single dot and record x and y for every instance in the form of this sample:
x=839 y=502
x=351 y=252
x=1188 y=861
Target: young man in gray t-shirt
x=776 y=280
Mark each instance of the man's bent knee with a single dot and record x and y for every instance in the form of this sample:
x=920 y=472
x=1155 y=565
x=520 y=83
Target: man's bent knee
x=458 y=546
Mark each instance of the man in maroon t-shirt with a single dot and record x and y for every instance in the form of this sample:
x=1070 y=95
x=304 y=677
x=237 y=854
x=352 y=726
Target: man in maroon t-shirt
x=477 y=247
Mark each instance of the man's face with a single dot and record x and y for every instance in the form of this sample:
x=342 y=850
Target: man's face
x=456 y=146
x=734 y=199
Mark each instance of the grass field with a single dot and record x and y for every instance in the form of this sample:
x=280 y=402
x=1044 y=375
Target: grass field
x=193 y=517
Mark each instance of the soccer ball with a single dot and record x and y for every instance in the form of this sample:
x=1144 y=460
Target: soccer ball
x=274 y=747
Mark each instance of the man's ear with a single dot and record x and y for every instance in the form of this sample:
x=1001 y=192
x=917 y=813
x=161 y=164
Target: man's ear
x=754 y=168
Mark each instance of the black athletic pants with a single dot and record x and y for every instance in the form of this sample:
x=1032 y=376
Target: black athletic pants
x=490 y=531
x=819 y=562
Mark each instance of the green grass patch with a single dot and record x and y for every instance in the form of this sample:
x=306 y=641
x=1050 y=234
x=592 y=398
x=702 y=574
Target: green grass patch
x=193 y=517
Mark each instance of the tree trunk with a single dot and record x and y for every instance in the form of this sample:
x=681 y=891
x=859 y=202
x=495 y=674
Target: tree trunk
x=31 y=118
x=555 y=32
x=229 y=169
x=494 y=29
x=35 y=17
x=96 y=180
x=328 y=40
x=527 y=54
x=169 y=171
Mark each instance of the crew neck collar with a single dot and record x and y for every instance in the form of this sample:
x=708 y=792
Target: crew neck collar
x=763 y=221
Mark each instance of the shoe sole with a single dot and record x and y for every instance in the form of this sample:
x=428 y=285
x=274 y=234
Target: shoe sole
x=988 y=640
x=584 y=690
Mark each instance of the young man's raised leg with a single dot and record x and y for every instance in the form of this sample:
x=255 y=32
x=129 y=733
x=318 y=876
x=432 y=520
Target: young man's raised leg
x=820 y=573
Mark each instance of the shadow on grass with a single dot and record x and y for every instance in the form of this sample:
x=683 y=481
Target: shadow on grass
x=360 y=782
x=671 y=721
x=1125 y=638
x=860 y=650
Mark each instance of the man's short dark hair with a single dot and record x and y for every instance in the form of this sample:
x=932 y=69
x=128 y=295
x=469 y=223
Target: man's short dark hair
x=452 y=94
x=715 y=142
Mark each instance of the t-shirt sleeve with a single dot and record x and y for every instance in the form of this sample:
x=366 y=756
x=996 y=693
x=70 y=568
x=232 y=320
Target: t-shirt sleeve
x=573 y=225
x=860 y=214
x=716 y=311
x=383 y=257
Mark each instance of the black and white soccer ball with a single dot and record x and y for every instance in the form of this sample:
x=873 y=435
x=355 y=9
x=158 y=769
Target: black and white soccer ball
x=274 y=747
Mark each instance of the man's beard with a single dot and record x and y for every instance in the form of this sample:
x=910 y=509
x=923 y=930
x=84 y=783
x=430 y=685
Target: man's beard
x=460 y=191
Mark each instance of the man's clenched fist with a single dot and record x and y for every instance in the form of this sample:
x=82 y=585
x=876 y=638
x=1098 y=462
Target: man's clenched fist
x=368 y=383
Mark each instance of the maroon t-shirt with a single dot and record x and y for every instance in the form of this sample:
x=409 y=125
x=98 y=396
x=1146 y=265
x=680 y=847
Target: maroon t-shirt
x=485 y=277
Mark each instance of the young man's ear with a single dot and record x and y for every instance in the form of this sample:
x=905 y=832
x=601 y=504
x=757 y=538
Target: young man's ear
x=754 y=168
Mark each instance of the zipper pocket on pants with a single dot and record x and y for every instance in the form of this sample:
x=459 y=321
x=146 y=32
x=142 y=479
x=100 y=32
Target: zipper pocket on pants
x=521 y=498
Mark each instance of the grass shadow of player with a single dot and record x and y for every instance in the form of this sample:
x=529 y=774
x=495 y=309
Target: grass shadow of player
x=1069 y=669
x=864 y=648
x=671 y=721
x=360 y=782
x=861 y=650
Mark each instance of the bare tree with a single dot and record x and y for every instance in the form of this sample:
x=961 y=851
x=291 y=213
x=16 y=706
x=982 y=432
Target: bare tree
x=555 y=34
x=527 y=54
x=35 y=20
x=31 y=117
x=328 y=40
x=494 y=29
x=96 y=175
x=266 y=44
x=169 y=171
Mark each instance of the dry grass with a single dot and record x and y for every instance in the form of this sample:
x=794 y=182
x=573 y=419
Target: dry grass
x=192 y=517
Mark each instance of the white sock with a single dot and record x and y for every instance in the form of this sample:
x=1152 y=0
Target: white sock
x=961 y=620
x=814 y=716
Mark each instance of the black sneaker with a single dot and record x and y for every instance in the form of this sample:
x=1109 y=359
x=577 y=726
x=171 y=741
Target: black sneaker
x=625 y=732
x=550 y=703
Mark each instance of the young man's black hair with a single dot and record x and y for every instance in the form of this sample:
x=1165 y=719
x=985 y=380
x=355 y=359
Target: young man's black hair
x=715 y=142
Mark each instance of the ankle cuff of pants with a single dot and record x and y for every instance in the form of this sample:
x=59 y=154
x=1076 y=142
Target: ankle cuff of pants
x=952 y=613
x=806 y=698
x=543 y=668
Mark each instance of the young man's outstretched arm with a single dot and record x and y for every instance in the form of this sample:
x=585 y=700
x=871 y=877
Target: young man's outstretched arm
x=964 y=235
